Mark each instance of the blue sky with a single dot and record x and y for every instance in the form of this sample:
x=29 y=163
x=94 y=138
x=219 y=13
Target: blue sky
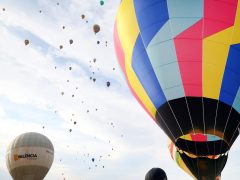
x=119 y=135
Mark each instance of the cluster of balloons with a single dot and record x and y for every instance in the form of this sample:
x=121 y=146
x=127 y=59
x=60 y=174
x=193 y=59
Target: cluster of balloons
x=181 y=62
x=29 y=156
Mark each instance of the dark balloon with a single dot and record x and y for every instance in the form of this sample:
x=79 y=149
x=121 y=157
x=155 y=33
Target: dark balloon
x=108 y=84
x=70 y=41
x=61 y=46
x=156 y=174
x=26 y=42
x=83 y=16
x=96 y=28
x=101 y=2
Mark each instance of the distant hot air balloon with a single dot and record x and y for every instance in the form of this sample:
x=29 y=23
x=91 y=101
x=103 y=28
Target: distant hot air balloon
x=181 y=61
x=101 y=2
x=156 y=174
x=96 y=28
x=26 y=42
x=29 y=156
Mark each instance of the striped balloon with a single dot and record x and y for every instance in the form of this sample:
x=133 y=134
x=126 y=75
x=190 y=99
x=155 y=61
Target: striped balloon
x=181 y=62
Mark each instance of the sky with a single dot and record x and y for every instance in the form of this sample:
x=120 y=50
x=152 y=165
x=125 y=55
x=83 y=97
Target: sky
x=39 y=92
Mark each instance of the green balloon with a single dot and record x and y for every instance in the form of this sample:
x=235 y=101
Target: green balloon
x=101 y=2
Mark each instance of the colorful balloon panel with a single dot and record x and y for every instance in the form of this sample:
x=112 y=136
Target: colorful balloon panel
x=190 y=42
x=181 y=61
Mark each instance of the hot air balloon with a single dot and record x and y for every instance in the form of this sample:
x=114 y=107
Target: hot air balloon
x=156 y=174
x=181 y=62
x=96 y=28
x=26 y=42
x=29 y=156
x=101 y=2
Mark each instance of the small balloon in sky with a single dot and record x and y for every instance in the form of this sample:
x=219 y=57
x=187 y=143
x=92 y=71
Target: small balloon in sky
x=70 y=41
x=101 y=2
x=108 y=84
x=70 y=68
x=83 y=16
x=3 y=9
x=26 y=42
x=96 y=28
x=61 y=46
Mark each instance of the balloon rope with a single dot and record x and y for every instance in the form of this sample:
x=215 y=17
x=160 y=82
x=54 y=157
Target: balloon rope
x=234 y=133
x=189 y=114
x=175 y=118
x=166 y=124
x=226 y=127
x=203 y=117
x=215 y=121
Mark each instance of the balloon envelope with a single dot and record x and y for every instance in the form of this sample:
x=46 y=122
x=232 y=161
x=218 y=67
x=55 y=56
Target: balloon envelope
x=29 y=156
x=96 y=28
x=181 y=62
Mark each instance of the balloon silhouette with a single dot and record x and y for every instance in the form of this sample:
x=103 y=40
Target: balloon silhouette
x=181 y=62
x=29 y=156
x=156 y=174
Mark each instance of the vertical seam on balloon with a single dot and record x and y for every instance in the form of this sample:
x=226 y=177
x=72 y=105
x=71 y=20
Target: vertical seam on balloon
x=189 y=114
x=179 y=72
x=226 y=126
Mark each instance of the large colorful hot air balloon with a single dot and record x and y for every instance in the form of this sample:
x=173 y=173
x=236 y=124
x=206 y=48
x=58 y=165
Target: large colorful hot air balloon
x=29 y=156
x=181 y=61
